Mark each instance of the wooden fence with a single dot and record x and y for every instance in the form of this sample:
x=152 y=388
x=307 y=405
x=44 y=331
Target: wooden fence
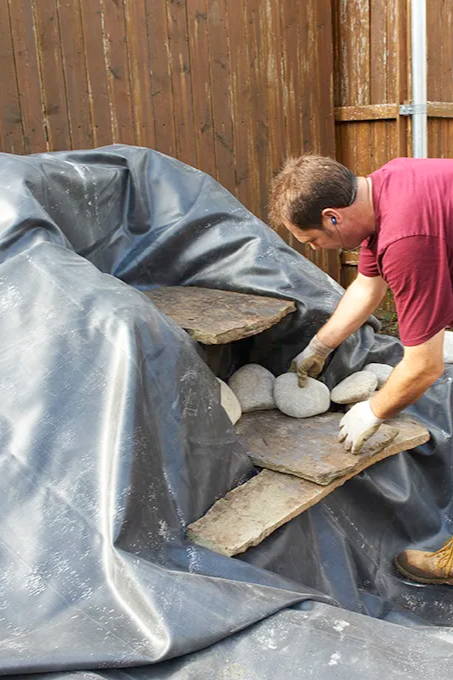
x=230 y=86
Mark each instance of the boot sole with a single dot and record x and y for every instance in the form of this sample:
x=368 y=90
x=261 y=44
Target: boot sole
x=420 y=579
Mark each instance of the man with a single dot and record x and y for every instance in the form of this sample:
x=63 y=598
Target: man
x=402 y=216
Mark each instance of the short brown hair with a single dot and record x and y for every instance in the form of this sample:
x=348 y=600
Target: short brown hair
x=305 y=186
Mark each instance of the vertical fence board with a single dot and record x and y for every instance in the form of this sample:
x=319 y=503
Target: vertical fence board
x=72 y=47
x=258 y=50
x=140 y=71
x=11 y=131
x=28 y=75
x=197 y=18
x=97 y=83
x=220 y=79
x=246 y=187
x=52 y=76
x=118 y=75
x=162 y=96
x=181 y=78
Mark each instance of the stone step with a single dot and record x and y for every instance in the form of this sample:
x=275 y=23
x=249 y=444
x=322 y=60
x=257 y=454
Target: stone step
x=214 y=317
x=252 y=511
x=305 y=447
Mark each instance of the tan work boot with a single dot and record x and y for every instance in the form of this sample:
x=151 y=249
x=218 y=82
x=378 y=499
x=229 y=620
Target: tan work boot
x=427 y=567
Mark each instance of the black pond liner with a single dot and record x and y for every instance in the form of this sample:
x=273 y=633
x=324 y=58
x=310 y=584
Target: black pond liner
x=113 y=440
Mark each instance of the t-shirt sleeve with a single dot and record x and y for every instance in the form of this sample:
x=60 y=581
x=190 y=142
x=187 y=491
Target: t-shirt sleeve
x=416 y=268
x=367 y=261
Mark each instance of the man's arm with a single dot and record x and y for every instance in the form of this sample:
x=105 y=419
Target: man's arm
x=419 y=369
x=359 y=301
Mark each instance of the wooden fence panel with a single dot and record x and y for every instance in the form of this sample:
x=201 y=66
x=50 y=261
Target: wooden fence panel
x=74 y=69
x=439 y=16
x=53 y=86
x=11 y=136
x=230 y=86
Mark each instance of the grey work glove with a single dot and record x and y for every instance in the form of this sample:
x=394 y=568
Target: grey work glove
x=357 y=426
x=311 y=360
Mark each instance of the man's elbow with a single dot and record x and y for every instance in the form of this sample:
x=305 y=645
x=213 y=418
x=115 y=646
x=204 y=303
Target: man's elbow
x=432 y=372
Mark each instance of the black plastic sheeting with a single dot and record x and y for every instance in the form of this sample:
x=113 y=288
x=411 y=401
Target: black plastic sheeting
x=113 y=440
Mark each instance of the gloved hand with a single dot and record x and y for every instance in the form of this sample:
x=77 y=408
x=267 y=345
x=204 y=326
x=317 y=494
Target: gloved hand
x=357 y=426
x=311 y=360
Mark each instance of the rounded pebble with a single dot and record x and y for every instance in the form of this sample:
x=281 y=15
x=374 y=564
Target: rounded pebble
x=230 y=402
x=356 y=387
x=300 y=402
x=253 y=385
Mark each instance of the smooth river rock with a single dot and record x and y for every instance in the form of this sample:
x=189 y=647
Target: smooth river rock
x=253 y=385
x=230 y=402
x=300 y=402
x=381 y=371
x=356 y=387
x=448 y=347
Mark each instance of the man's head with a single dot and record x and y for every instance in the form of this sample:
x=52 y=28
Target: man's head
x=321 y=203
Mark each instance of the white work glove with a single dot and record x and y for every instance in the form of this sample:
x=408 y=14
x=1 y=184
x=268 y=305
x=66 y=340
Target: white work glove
x=357 y=426
x=311 y=360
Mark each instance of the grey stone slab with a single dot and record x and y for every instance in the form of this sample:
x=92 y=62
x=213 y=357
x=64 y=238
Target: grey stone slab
x=214 y=316
x=306 y=448
x=252 y=511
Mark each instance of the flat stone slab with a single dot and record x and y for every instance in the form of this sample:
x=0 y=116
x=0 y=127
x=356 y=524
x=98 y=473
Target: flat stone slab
x=307 y=448
x=216 y=317
x=252 y=511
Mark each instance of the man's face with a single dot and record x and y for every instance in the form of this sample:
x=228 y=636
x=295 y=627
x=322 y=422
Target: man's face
x=339 y=230
x=316 y=238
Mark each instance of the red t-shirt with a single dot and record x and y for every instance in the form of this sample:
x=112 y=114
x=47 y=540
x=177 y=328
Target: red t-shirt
x=412 y=247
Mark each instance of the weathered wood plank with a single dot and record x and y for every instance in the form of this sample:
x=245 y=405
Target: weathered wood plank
x=197 y=18
x=367 y=112
x=92 y=16
x=28 y=76
x=252 y=511
x=218 y=316
x=162 y=96
x=305 y=447
x=11 y=132
x=52 y=76
x=182 y=81
x=116 y=59
x=220 y=79
x=440 y=109
x=73 y=58
x=139 y=58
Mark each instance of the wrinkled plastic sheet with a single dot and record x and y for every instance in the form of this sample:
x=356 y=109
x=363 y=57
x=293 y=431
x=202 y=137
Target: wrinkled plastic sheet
x=113 y=440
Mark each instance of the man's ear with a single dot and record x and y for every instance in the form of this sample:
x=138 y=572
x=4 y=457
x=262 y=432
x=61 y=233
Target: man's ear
x=331 y=216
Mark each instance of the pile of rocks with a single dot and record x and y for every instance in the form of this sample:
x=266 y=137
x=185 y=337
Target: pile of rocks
x=254 y=388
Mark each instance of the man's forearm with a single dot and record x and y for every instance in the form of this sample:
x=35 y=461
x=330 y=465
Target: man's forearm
x=359 y=301
x=404 y=386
